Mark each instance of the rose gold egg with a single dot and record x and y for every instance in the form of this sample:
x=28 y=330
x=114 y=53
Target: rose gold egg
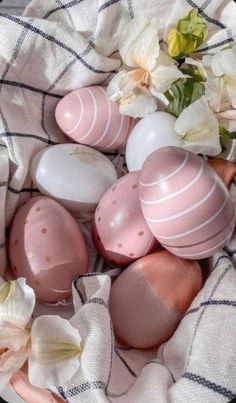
x=185 y=203
x=149 y=298
x=120 y=232
x=47 y=248
x=88 y=117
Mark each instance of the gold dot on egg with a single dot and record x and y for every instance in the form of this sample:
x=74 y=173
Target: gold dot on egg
x=135 y=186
x=141 y=233
x=16 y=242
x=120 y=245
x=48 y=259
x=131 y=254
x=98 y=208
x=99 y=219
x=38 y=209
x=44 y=230
x=15 y=269
x=37 y=283
x=114 y=202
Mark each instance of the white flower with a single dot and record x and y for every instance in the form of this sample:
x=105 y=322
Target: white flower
x=227 y=119
x=17 y=302
x=199 y=129
x=149 y=71
x=223 y=65
x=55 y=354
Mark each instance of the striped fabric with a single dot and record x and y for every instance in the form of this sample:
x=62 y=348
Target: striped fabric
x=59 y=46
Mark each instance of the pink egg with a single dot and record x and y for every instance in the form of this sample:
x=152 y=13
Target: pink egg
x=88 y=117
x=185 y=203
x=149 y=298
x=47 y=248
x=120 y=232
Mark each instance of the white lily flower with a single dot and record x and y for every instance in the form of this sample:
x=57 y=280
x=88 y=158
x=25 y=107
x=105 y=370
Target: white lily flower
x=224 y=65
x=149 y=70
x=227 y=119
x=55 y=352
x=17 y=302
x=199 y=129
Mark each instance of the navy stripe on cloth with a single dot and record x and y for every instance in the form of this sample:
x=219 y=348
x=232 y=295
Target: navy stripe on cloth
x=2 y=245
x=98 y=301
x=27 y=136
x=126 y=365
x=28 y=87
x=84 y=387
x=210 y=385
x=62 y=7
x=215 y=45
x=212 y=302
x=209 y=19
x=3 y=184
x=24 y=190
x=108 y=4
x=54 y=40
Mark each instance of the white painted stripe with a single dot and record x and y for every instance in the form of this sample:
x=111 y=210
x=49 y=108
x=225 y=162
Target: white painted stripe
x=199 y=226
x=208 y=250
x=163 y=199
x=117 y=136
x=81 y=115
x=108 y=120
x=182 y=165
x=94 y=118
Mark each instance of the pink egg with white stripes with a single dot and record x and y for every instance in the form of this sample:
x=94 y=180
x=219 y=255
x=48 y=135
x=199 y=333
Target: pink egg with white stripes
x=88 y=117
x=120 y=232
x=185 y=203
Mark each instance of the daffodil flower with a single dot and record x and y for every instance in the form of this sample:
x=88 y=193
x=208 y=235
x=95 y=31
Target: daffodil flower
x=199 y=129
x=148 y=72
x=17 y=302
x=223 y=65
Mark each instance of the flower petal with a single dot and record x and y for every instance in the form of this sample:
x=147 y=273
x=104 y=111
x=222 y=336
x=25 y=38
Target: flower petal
x=139 y=105
x=114 y=92
x=10 y=363
x=163 y=76
x=228 y=119
x=199 y=129
x=140 y=44
x=55 y=351
x=224 y=62
x=17 y=302
x=13 y=337
x=231 y=91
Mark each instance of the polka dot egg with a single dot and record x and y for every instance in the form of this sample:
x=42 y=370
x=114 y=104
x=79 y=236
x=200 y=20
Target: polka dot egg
x=185 y=203
x=47 y=248
x=120 y=232
x=88 y=117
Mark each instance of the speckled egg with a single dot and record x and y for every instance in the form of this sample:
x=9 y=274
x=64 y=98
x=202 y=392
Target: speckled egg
x=47 y=248
x=75 y=175
x=120 y=232
x=149 y=298
x=150 y=133
x=185 y=203
x=88 y=117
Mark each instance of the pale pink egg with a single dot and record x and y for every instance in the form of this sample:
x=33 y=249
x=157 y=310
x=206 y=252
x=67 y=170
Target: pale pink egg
x=120 y=232
x=185 y=203
x=88 y=117
x=47 y=248
x=149 y=298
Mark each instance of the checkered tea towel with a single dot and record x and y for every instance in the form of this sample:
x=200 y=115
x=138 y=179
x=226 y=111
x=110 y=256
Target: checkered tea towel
x=59 y=46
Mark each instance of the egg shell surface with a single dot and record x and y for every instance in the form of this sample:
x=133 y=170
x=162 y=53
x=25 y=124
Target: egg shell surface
x=47 y=248
x=149 y=298
x=75 y=175
x=150 y=133
x=88 y=117
x=185 y=203
x=120 y=233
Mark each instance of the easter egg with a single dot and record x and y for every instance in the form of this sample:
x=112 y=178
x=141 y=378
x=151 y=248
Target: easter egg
x=120 y=232
x=149 y=298
x=151 y=133
x=88 y=117
x=75 y=175
x=47 y=248
x=225 y=169
x=185 y=203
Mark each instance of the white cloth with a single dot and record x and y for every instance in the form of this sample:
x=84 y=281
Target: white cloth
x=58 y=46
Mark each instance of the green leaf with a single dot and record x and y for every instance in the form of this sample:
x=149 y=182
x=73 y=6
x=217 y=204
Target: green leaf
x=226 y=134
x=193 y=72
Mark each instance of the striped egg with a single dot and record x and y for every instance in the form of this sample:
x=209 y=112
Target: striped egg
x=185 y=203
x=88 y=117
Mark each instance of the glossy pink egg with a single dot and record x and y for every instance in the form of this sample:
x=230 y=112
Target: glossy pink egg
x=88 y=117
x=185 y=203
x=120 y=232
x=149 y=298
x=47 y=248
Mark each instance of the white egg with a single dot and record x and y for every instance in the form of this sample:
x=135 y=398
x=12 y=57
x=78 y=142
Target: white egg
x=152 y=132
x=75 y=175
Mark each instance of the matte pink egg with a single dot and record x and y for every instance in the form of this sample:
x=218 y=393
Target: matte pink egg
x=120 y=232
x=47 y=248
x=88 y=117
x=185 y=203
x=149 y=298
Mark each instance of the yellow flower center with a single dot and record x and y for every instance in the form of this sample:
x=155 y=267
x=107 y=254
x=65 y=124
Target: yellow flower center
x=6 y=291
x=141 y=77
x=197 y=133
